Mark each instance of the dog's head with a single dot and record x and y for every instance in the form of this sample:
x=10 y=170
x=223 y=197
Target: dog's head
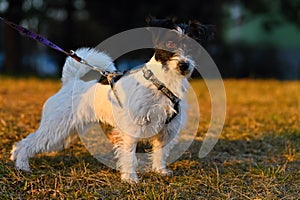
x=172 y=48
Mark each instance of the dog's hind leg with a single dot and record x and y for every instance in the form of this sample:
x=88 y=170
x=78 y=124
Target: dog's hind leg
x=43 y=140
x=54 y=129
x=125 y=150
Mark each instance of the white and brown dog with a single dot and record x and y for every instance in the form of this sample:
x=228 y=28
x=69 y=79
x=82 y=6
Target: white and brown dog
x=149 y=104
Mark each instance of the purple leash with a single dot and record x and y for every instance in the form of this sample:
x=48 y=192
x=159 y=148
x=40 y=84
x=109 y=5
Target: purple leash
x=34 y=36
x=44 y=41
x=109 y=75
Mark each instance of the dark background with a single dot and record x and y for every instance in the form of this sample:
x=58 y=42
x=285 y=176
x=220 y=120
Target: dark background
x=255 y=39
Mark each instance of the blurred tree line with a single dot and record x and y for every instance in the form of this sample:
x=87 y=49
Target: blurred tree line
x=76 y=23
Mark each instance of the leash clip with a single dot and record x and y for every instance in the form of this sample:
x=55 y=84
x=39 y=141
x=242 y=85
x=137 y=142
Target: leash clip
x=147 y=74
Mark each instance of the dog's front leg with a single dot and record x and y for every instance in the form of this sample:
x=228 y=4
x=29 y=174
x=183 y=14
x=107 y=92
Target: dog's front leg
x=162 y=144
x=160 y=154
x=126 y=155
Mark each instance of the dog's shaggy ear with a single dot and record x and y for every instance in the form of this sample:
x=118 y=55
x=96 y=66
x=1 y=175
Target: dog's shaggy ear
x=163 y=23
x=199 y=32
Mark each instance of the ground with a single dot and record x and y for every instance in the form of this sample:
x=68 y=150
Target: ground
x=257 y=155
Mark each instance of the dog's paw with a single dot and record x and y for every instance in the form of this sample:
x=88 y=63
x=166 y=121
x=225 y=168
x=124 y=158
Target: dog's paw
x=130 y=178
x=23 y=166
x=164 y=172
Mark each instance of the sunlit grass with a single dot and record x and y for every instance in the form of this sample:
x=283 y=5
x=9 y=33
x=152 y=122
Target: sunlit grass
x=257 y=155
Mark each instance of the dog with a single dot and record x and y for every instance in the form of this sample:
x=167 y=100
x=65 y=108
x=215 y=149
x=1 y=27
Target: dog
x=146 y=103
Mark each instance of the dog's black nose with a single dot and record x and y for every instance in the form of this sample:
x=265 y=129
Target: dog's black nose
x=183 y=66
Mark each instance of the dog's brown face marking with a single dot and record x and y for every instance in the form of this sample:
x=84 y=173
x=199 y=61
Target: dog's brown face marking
x=172 y=52
x=163 y=56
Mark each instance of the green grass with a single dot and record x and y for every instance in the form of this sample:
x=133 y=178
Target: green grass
x=256 y=157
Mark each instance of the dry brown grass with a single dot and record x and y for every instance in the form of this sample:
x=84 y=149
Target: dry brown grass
x=256 y=157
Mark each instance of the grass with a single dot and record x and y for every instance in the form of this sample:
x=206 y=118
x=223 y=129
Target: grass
x=256 y=157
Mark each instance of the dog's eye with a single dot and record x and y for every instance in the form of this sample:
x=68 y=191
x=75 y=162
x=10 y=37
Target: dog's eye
x=171 y=45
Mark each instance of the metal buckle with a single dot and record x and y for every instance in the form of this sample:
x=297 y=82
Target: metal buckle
x=147 y=74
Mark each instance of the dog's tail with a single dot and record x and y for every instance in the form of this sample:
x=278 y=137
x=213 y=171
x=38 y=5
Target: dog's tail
x=73 y=69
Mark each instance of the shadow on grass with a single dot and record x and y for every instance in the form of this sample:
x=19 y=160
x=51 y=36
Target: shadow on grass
x=269 y=151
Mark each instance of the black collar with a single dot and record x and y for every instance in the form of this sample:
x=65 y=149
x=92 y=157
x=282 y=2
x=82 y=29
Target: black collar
x=148 y=75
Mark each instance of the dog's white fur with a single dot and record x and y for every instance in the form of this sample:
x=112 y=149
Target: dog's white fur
x=143 y=113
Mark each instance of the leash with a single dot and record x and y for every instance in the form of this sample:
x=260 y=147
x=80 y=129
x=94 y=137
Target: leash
x=110 y=76
x=46 y=42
